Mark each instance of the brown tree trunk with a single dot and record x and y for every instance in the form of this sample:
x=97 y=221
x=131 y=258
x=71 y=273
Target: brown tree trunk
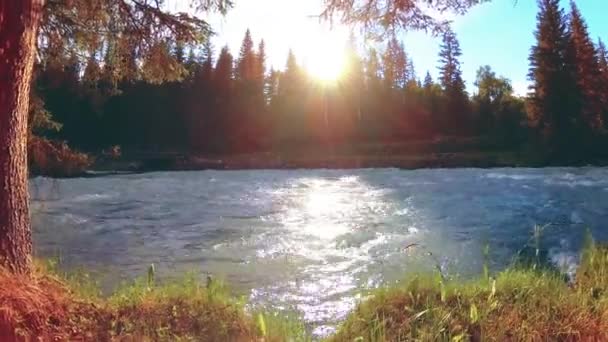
x=19 y=20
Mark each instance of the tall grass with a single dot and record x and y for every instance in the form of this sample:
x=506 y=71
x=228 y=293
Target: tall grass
x=525 y=302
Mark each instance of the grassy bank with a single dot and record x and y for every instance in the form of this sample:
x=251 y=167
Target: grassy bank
x=522 y=303
x=49 y=307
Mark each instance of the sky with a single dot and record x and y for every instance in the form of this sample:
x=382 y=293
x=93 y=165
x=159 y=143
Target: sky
x=499 y=33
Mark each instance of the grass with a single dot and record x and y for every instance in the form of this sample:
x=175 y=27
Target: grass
x=51 y=307
x=523 y=303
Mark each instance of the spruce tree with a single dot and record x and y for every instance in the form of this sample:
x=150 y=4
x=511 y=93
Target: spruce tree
x=290 y=78
x=394 y=63
x=402 y=66
x=586 y=72
x=354 y=77
x=457 y=103
x=410 y=75
x=223 y=74
x=290 y=101
x=428 y=81
x=372 y=69
x=260 y=74
x=602 y=60
x=450 y=73
x=374 y=101
x=550 y=107
x=207 y=67
x=246 y=62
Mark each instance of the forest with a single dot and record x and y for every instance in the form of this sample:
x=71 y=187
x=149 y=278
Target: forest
x=226 y=103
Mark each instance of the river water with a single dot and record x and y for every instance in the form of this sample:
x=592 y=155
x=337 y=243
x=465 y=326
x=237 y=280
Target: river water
x=312 y=240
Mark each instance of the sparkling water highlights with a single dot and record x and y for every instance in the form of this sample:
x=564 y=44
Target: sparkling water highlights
x=313 y=240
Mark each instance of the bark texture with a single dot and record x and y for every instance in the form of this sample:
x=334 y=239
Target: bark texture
x=19 y=20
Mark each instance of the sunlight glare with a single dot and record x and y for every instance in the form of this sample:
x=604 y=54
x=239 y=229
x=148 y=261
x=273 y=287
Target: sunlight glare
x=321 y=202
x=325 y=56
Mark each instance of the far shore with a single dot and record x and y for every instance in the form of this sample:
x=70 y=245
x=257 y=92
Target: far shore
x=259 y=161
x=440 y=153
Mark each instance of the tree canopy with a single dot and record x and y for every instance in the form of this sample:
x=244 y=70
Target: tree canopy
x=382 y=16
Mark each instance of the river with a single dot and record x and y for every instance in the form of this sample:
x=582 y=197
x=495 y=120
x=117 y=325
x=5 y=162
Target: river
x=312 y=240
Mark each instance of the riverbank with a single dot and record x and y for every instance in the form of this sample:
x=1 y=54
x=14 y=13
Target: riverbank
x=520 y=303
x=179 y=162
x=447 y=152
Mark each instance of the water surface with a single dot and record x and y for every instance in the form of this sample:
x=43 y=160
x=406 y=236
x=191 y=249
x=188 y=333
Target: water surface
x=311 y=240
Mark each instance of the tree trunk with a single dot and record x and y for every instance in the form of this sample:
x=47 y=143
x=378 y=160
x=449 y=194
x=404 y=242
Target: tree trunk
x=19 y=20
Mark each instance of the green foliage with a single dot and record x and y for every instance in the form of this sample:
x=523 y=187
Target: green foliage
x=40 y=120
x=378 y=17
x=281 y=326
x=127 y=31
x=586 y=73
x=564 y=105
x=457 y=107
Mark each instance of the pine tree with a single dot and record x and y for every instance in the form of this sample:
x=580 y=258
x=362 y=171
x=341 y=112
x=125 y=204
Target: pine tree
x=354 y=77
x=450 y=73
x=290 y=78
x=374 y=101
x=410 y=75
x=290 y=101
x=223 y=75
x=549 y=107
x=260 y=73
x=602 y=60
x=586 y=72
x=271 y=85
x=372 y=69
x=207 y=67
x=395 y=65
x=428 y=81
x=193 y=65
x=246 y=63
x=109 y=73
x=402 y=66
x=457 y=103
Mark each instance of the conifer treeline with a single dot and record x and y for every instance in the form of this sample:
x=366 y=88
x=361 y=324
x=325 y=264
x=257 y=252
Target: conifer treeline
x=567 y=104
x=238 y=104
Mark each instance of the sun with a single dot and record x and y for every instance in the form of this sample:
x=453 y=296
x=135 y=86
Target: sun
x=325 y=57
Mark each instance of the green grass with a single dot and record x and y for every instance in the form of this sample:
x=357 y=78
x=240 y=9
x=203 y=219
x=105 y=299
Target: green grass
x=526 y=302
x=522 y=303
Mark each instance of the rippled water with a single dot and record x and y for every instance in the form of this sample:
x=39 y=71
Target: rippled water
x=311 y=240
